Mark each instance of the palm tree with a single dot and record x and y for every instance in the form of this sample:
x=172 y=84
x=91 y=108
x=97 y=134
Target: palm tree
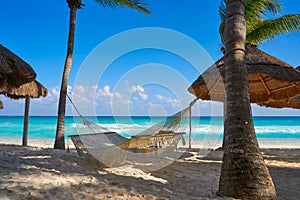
x=244 y=174
x=74 y=5
x=258 y=28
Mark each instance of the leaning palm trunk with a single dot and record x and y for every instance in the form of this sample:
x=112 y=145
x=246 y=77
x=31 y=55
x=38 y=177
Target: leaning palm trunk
x=74 y=5
x=244 y=174
x=59 y=139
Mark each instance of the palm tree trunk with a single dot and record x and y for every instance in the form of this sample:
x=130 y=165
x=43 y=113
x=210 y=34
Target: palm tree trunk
x=60 y=139
x=244 y=174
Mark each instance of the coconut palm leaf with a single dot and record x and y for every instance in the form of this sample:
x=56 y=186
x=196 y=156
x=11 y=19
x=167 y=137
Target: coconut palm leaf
x=268 y=29
x=254 y=11
x=259 y=29
x=135 y=4
x=254 y=8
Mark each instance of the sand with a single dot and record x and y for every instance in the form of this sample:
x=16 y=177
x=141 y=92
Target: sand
x=45 y=173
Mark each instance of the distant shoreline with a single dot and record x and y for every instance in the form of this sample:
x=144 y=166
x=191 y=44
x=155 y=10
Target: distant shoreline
x=274 y=143
x=206 y=116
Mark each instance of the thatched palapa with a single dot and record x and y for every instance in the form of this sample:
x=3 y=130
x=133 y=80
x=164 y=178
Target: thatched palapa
x=13 y=70
x=34 y=89
x=28 y=90
x=286 y=103
x=270 y=80
x=17 y=81
x=1 y=105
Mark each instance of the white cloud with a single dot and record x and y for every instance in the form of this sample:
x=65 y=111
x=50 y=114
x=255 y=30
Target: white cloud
x=106 y=91
x=89 y=99
x=106 y=96
x=175 y=103
x=79 y=89
x=140 y=91
x=54 y=92
x=159 y=97
x=93 y=98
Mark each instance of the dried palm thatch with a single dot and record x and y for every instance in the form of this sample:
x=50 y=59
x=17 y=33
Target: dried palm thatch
x=34 y=89
x=286 y=103
x=1 y=105
x=270 y=79
x=13 y=70
x=29 y=90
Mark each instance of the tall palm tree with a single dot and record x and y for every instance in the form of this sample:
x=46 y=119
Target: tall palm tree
x=244 y=174
x=235 y=174
x=74 y=5
x=260 y=29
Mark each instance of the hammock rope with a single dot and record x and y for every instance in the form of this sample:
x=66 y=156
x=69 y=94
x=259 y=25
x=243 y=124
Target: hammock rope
x=176 y=122
x=112 y=149
x=102 y=141
x=92 y=126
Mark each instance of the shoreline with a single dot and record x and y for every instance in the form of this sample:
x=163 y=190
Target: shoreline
x=273 y=143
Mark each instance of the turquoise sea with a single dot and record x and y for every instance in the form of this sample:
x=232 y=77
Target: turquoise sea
x=202 y=127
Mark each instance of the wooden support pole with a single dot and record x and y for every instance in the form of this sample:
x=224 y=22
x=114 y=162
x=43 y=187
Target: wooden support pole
x=190 y=117
x=26 y=117
x=190 y=133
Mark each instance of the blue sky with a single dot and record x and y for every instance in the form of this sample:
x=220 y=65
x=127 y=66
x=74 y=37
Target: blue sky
x=143 y=81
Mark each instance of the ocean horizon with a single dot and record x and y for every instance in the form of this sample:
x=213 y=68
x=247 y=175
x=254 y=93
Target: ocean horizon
x=202 y=127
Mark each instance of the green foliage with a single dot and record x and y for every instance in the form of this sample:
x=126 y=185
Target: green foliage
x=254 y=9
x=135 y=4
x=258 y=28
x=267 y=29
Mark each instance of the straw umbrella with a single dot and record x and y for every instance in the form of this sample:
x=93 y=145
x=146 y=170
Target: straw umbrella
x=34 y=89
x=271 y=81
x=286 y=103
x=13 y=70
x=1 y=105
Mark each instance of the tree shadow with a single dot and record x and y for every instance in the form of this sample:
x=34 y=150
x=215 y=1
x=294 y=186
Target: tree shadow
x=57 y=174
x=284 y=167
x=19 y=163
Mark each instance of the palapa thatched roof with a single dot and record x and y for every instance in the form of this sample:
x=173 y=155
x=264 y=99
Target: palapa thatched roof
x=13 y=70
x=34 y=89
x=1 y=105
x=270 y=79
x=286 y=103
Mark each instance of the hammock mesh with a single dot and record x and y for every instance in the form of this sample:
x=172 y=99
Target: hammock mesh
x=111 y=148
x=175 y=123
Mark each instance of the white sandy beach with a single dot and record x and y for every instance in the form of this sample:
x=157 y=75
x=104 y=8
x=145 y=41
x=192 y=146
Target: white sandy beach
x=45 y=173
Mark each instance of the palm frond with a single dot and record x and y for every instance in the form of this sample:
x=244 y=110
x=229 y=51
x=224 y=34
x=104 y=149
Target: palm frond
x=268 y=29
x=256 y=9
x=222 y=31
x=274 y=7
x=222 y=10
x=134 y=4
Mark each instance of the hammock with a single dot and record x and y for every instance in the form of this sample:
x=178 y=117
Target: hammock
x=111 y=148
x=136 y=144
